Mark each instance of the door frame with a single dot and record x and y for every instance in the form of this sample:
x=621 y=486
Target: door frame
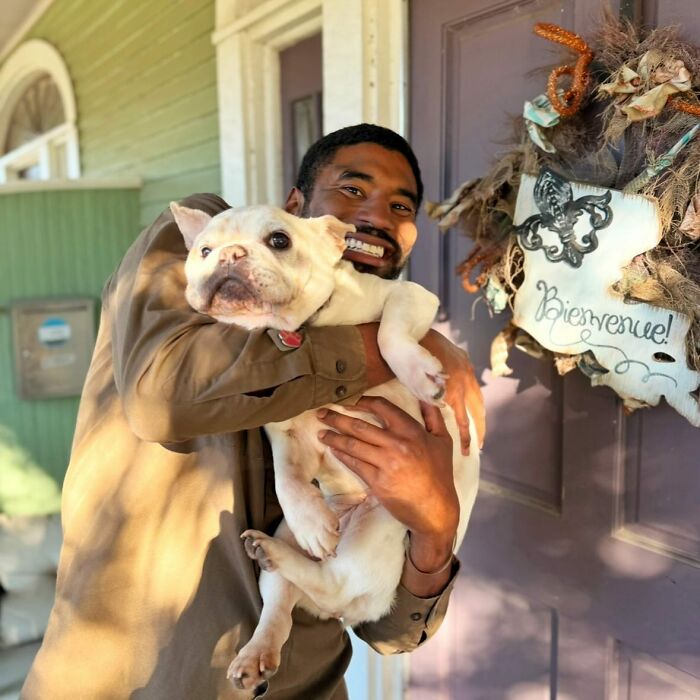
x=248 y=43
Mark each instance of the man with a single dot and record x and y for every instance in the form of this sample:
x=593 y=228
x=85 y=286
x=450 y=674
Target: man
x=155 y=594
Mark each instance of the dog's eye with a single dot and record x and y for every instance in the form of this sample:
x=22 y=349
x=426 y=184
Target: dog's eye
x=205 y=250
x=278 y=240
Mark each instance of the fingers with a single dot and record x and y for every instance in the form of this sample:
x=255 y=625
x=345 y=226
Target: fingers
x=393 y=417
x=475 y=404
x=352 y=445
x=361 y=429
x=367 y=472
x=462 y=418
x=433 y=418
x=464 y=394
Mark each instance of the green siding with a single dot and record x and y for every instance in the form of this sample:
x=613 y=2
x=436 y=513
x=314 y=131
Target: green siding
x=57 y=244
x=144 y=75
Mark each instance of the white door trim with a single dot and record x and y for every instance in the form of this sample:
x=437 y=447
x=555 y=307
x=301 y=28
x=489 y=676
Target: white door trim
x=364 y=79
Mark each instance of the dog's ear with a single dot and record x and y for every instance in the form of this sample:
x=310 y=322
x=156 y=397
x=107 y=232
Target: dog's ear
x=336 y=228
x=191 y=222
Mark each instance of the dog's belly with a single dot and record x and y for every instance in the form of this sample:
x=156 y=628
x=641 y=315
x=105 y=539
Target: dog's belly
x=359 y=583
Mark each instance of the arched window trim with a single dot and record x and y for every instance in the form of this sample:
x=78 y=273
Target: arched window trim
x=28 y=61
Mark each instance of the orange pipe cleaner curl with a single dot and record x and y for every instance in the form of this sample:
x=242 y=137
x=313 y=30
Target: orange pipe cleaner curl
x=684 y=106
x=474 y=259
x=570 y=102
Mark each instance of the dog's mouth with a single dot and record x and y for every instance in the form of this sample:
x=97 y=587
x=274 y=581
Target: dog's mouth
x=228 y=289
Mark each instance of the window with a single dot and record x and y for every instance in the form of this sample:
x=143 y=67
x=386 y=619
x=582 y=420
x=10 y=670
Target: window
x=38 y=135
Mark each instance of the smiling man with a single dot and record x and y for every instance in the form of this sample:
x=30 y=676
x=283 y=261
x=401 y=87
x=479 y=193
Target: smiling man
x=375 y=184
x=155 y=594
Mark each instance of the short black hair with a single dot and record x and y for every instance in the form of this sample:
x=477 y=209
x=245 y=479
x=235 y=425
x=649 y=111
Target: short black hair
x=322 y=152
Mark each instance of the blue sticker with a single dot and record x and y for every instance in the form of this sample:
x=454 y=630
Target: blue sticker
x=54 y=331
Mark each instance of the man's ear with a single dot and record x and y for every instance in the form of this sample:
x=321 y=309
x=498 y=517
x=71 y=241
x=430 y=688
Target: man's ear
x=191 y=222
x=336 y=228
x=295 y=202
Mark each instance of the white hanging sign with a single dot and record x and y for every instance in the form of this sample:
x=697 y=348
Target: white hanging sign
x=576 y=239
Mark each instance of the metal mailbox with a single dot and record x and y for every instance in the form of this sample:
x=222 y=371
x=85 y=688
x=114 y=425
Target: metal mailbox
x=53 y=343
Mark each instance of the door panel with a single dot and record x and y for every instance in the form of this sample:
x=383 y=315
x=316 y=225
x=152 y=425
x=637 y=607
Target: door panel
x=581 y=565
x=661 y=485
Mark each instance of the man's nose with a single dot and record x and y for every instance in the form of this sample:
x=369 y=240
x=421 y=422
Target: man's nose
x=232 y=253
x=376 y=212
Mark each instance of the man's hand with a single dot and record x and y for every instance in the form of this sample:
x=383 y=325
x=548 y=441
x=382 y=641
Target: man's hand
x=463 y=391
x=408 y=468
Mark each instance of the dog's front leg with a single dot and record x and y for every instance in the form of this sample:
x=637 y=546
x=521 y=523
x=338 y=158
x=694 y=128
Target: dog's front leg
x=260 y=658
x=408 y=313
x=314 y=525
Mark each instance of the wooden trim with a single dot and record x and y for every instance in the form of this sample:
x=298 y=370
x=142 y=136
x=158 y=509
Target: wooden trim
x=250 y=121
x=31 y=19
x=123 y=183
x=248 y=47
x=269 y=18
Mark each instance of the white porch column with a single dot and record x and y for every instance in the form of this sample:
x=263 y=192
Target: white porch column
x=364 y=79
x=365 y=60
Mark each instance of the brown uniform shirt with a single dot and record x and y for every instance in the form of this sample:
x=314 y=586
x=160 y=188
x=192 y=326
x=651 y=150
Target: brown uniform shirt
x=155 y=594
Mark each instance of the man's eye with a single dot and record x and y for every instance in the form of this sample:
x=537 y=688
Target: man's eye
x=278 y=240
x=403 y=208
x=355 y=191
x=205 y=250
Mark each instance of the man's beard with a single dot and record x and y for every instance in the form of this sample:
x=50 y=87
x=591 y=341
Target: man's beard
x=389 y=272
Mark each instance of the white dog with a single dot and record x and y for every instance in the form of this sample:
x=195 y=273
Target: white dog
x=260 y=267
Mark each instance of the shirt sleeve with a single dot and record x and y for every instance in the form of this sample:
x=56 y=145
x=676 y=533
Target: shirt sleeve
x=411 y=622
x=181 y=374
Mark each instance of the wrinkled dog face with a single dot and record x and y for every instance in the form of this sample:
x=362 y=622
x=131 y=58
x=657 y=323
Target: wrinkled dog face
x=259 y=267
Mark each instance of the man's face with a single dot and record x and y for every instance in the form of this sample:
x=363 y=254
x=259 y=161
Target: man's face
x=374 y=189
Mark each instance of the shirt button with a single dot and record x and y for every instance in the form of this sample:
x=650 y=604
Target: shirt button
x=340 y=366
x=416 y=616
x=341 y=391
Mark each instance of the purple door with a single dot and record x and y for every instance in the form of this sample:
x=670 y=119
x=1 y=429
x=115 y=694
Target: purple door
x=581 y=566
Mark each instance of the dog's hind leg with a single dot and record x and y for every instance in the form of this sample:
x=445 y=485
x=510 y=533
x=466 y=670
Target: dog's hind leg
x=259 y=659
x=314 y=525
x=314 y=578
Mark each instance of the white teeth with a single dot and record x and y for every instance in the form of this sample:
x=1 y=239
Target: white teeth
x=375 y=250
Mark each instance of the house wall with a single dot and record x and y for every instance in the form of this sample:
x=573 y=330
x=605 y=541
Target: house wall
x=144 y=75
x=59 y=243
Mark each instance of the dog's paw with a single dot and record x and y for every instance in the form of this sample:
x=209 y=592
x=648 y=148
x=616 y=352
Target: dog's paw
x=252 y=667
x=315 y=527
x=421 y=373
x=261 y=548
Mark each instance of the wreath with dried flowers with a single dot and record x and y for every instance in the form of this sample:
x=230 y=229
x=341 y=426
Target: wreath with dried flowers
x=626 y=119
